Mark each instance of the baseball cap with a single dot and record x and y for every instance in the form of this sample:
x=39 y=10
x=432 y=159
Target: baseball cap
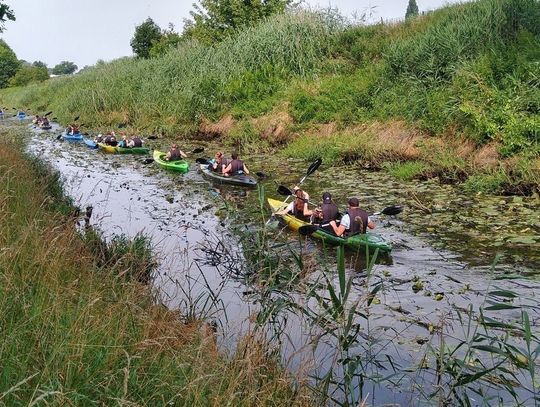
x=327 y=197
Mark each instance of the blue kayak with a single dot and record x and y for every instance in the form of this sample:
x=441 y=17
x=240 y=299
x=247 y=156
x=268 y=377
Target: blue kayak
x=90 y=143
x=21 y=115
x=72 y=137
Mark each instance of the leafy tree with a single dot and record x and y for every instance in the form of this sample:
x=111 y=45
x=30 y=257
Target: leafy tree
x=169 y=39
x=64 y=68
x=213 y=20
x=412 y=9
x=5 y=14
x=145 y=36
x=27 y=74
x=39 y=64
x=9 y=64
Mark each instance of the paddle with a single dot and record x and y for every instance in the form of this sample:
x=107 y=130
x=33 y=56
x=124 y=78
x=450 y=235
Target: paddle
x=48 y=113
x=311 y=169
x=389 y=210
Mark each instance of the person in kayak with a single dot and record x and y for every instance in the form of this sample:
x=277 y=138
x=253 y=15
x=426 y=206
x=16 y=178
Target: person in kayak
x=134 y=142
x=328 y=212
x=99 y=138
x=44 y=122
x=236 y=166
x=220 y=162
x=110 y=139
x=355 y=221
x=123 y=143
x=73 y=129
x=175 y=154
x=298 y=207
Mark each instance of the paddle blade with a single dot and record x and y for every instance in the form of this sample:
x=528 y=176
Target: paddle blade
x=260 y=174
x=283 y=190
x=313 y=167
x=77 y=118
x=197 y=150
x=307 y=230
x=201 y=160
x=392 y=210
x=48 y=113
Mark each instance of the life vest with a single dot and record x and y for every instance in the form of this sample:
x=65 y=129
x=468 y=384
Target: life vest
x=330 y=212
x=237 y=166
x=137 y=142
x=175 y=154
x=359 y=221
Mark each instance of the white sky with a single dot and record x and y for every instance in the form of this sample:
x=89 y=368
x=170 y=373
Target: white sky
x=84 y=31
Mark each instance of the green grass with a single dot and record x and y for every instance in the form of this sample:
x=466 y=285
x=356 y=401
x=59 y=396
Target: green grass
x=76 y=331
x=407 y=170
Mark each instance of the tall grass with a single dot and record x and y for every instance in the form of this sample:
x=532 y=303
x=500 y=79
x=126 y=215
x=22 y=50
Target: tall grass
x=75 y=334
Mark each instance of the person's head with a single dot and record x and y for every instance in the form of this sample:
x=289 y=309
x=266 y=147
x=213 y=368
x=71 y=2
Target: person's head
x=113 y=138
x=299 y=193
x=124 y=138
x=219 y=155
x=354 y=203
x=234 y=155
x=174 y=146
x=327 y=197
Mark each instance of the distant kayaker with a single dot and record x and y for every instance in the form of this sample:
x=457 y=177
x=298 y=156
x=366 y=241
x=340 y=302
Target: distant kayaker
x=236 y=166
x=298 y=207
x=354 y=221
x=110 y=139
x=99 y=138
x=73 y=129
x=328 y=212
x=175 y=154
x=135 y=142
x=220 y=162
x=123 y=143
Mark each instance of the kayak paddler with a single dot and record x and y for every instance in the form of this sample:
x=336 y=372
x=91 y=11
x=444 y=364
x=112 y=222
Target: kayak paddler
x=355 y=221
x=175 y=154
x=328 y=212
x=298 y=207
x=236 y=166
x=220 y=162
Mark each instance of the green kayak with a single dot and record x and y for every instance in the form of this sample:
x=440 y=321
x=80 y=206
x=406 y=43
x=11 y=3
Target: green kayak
x=179 y=165
x=120 y=150
x=371 y=240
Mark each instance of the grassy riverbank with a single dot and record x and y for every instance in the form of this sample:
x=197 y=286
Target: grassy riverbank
x=453 y=94
x=75 y=333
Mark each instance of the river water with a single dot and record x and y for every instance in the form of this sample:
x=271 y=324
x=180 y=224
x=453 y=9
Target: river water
x=444 y=245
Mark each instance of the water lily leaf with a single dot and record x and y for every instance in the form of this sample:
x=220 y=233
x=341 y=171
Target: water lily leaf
x=525 y=239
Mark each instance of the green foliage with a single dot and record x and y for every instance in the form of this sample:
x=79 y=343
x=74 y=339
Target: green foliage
x=39 y=64
x=9 y=64
x=29 y=74
x=169 y=40
x=64 y=68
x=214 y=20
x=5 y=14
x=412 y=9
x=485 y=183
x=146 y=35
x=407 y=170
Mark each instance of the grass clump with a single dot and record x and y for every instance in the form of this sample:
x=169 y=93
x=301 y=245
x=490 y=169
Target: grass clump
x=74 y=333
x=407 y=170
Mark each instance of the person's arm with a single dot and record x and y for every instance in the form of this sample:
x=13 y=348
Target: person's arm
x=182 y=154
x=307 y=211
x=371 y=224
x=246 y=171
x=338 y=230
x=227 y=169
x=287 y=209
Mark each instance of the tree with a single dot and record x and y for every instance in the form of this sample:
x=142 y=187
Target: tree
x=5 y=14
x=64 y=68
x=412 y=9
x=145 y=36
x=9 y=64
x=39 y=64
x=28 y=74
x=214 y=20
x=169 y=39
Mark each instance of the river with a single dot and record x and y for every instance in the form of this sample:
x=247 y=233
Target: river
x=445 y=243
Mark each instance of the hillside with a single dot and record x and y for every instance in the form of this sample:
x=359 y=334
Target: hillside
x=453 y=94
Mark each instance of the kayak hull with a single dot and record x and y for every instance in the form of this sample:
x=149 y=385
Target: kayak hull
x=90 y=143
x=371 y=240
x=120 y=150
x=178 y=165
x=238 y=180
x=72 y=137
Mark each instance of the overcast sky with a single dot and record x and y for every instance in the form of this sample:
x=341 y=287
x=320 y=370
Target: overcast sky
x=84 y=31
